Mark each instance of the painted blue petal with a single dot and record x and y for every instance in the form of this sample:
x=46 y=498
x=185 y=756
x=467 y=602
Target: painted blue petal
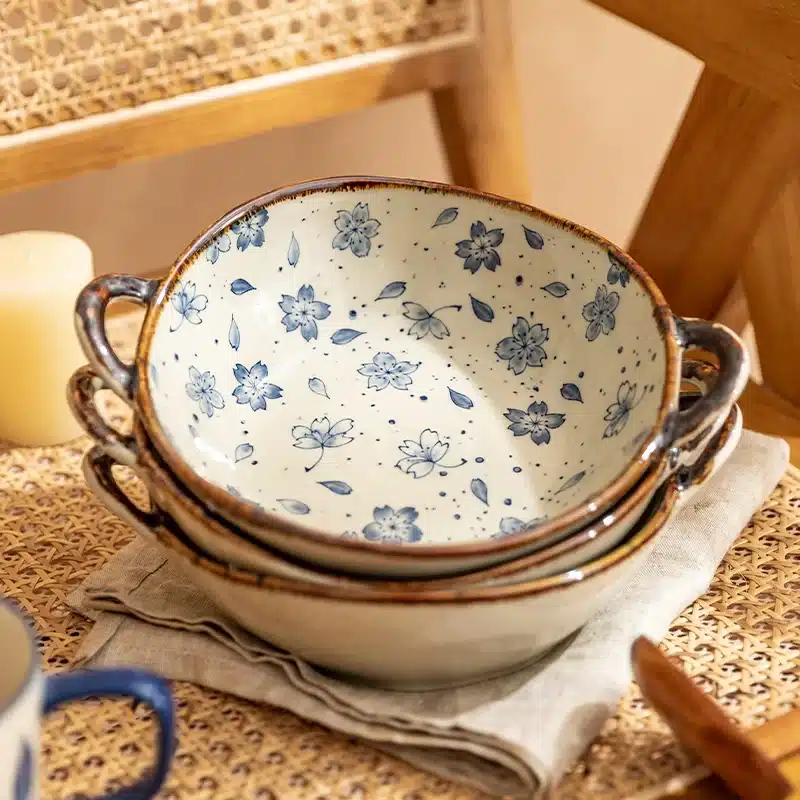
x=394 y=289
x=337 y=487
x=293 y=256
x=557 y=289
x=244 y=450
x=570 y=391
x=533 y=238
x=460 y=400
x=573 y=481
x=345 y=335
x=240 y=286
x=294 y=506
x=446 y=217
x=478 y=488
x=483 y=311
x=318 y=387
x=234 y=337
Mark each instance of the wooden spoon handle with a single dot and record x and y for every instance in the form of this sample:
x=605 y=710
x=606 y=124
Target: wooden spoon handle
x=700 y=725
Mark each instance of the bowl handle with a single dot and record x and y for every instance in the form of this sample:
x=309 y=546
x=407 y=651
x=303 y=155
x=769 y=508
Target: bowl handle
x=90 y=324
x=81 y=389
x=688 y=429
x=97 y=467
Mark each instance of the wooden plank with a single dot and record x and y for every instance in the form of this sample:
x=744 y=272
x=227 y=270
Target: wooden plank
x=771 y=279
x=766 y=412
x=182 y=128
x=480 y=116
x=733 y=154
x=754 y=42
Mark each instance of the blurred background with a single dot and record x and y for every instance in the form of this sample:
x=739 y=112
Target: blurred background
x=601 y=100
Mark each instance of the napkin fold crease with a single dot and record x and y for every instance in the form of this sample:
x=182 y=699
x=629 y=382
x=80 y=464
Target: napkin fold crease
x=513 y=735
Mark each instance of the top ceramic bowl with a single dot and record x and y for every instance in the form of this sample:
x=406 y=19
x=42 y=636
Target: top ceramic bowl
x=350 y=366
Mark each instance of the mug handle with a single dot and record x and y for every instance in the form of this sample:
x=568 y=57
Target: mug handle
x=81 y=389
x=687 y=428
x=96 y=467
x=144 y=687
x=90 y=324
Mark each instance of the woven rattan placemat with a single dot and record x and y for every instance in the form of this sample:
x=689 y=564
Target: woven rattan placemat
x=741 y=640
x=72 y=59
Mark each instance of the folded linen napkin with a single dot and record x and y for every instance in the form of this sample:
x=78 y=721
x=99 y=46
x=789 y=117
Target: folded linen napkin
x=513 y=735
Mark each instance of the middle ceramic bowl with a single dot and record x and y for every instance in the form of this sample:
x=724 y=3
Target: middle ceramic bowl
x=441 y=374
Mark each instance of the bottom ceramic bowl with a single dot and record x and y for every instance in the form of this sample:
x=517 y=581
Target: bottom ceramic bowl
x=404 y=639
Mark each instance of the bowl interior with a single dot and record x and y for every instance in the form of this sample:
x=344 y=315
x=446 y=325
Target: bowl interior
x=401 y=364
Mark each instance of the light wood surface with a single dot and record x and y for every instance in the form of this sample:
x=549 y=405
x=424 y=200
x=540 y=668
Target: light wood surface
x=755 y=42
x=771 y=273
x=765 y=411
x=182 y=128
x=480 y=117
x=734 y=153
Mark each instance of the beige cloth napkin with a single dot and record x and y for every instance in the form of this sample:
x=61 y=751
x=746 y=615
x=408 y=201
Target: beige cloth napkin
x=514 y=735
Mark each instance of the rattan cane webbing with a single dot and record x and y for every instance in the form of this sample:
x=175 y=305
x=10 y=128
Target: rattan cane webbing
x=741 y=640
x=70 y=59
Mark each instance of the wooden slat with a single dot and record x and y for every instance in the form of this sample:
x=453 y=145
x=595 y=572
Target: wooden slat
x=733 y=154
x=766 y=412
x=179 y=129
x=772 y=284
x=755 y=42
x=480 y=117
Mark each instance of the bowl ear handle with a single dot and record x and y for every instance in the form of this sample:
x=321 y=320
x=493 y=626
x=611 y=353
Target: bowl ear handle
x=81 y=389
x=97 y=467
x=688 y=430
x=90 y=324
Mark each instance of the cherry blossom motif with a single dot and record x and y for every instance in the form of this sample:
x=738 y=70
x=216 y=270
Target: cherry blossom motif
x=385 y=370
x=355 y=228
x=523 y=348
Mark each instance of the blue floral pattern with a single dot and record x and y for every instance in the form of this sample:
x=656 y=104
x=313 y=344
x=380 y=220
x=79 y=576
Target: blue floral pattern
x=425 y=321
x=480 y=249
x=250 y=229
x=254 y=389
x=355 y=230
x=618 y=413
x=303 y=312
x=220 y=244
x=321 y=435
x=201 y=389
x=473 y=391
x=423 y=455
x=385 y=370
x=536 y=421
x=187 y=304
x=617 y=272
x=524 y=347
x=600 y=313
x=511 y=525
x=393 y=526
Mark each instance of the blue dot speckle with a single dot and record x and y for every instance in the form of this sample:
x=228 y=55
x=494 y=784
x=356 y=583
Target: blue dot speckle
x=479 y=460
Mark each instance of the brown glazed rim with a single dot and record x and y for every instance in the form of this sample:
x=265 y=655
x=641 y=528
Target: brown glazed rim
x=234 y=508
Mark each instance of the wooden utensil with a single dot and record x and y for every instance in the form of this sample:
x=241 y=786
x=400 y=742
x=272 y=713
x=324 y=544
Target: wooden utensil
x=702 y=727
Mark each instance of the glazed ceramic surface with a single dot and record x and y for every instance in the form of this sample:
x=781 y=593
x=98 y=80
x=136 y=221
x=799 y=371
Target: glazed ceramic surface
x=420 y=640
x=214 y=537
x=405 y=365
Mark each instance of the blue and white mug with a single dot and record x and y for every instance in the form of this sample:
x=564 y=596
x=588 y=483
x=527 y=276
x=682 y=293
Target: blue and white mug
x=26 y=694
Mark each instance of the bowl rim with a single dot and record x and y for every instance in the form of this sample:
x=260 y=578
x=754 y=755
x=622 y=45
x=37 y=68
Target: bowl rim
x=233 y=508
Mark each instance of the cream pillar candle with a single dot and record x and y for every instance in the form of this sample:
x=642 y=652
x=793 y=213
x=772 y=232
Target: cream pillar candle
x=41 y=274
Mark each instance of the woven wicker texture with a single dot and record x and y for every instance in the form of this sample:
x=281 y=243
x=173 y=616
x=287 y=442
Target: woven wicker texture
x=741 y=641
x=69 y=59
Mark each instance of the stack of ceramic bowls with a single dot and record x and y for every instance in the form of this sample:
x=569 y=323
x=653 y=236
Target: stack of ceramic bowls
x=408 y=432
